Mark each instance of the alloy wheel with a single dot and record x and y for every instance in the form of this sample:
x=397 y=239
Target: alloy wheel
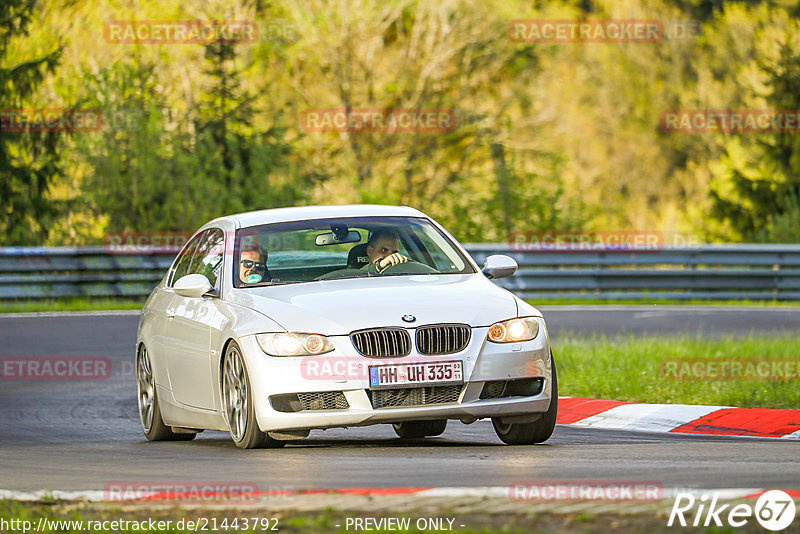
x=235 y=393
x=146 y=388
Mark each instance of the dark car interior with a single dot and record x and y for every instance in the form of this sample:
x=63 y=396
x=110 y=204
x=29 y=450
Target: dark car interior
x=420 y=259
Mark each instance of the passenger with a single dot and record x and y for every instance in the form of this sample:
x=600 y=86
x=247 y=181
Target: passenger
x=252 y=264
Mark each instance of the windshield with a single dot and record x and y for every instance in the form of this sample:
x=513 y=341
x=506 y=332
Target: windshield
x=331 y=249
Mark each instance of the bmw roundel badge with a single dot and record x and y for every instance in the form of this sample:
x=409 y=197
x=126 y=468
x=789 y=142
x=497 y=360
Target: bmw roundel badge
x=409 y=318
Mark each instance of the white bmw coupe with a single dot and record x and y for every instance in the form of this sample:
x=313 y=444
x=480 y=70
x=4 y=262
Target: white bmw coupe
x=271 y=323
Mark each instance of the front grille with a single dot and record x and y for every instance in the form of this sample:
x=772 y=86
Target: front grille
x=382 y=342
x=326 y=400
x=298 y=402
x=387 y=398
x=442 y=339
x=493 y=389
x=522 y=387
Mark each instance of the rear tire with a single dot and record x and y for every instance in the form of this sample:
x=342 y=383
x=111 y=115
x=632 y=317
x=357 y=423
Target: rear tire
x=419 y=429
x=149 y=409
x=237 y=402
x=538 y=431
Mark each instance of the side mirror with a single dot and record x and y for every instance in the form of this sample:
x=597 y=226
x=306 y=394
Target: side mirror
x=499 y=266
x=192 y=286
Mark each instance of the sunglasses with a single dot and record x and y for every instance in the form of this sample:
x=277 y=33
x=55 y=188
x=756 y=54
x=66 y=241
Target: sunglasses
x=247 y=264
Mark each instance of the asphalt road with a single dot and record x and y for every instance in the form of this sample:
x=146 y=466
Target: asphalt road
x=82 y=435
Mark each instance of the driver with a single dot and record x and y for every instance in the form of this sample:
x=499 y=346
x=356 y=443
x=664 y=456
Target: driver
x=252 y=264
x=382 y=251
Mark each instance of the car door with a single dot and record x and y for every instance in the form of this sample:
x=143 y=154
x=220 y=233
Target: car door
x=189 y=321
x=160 y=306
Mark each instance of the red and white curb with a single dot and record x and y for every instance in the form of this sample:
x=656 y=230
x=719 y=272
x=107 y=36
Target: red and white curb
x=679 y=418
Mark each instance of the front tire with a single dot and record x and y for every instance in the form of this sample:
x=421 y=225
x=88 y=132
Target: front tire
x=538 y=431
x=237 y=401
x=149 y=409
x=419 y=429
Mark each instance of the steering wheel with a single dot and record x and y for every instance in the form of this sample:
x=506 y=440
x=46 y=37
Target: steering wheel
x=410 y=267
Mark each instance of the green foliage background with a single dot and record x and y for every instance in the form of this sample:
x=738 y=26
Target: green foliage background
x=560 y=136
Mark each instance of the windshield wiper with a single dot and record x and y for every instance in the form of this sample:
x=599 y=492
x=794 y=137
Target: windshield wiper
x=346 y=277
x=408 y=274
x=270 y=283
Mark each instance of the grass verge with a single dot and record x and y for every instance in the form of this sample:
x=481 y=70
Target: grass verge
x=324 y=521
x=634 y=368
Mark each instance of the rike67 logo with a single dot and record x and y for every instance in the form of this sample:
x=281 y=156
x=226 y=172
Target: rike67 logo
x=774 y=510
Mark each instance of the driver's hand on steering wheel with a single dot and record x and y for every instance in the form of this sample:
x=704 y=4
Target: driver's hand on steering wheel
x=392 y=259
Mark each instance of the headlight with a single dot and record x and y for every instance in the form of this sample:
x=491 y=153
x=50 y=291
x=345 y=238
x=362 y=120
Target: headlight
x=294 y=344
x=522 y=329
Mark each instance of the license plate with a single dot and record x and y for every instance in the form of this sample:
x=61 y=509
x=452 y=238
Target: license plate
x=415 y=373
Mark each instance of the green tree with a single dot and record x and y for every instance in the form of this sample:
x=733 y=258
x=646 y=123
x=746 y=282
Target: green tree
x=29 y=159
x=134 y=179
x=756 y=188
x=248 y=157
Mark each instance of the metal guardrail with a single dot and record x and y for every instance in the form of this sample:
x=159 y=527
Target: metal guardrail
x=57 y=272
x=705 y=272
x=708 y=272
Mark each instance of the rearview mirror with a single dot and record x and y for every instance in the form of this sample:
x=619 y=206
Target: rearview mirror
x=499 y=266
x=332 y=239
x=192 y=286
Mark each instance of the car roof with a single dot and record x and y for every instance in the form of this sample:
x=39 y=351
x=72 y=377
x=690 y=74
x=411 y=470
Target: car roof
x=302 y=213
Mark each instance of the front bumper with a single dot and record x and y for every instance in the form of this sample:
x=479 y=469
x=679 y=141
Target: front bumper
x=482 y=362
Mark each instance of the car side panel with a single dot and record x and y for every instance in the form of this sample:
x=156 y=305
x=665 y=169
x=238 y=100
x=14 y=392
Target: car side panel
x=151 y=332
x=187 y=336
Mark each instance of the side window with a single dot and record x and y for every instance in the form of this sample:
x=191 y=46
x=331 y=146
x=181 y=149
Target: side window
x=208 y=256
x=443 y=255
x=184 y=260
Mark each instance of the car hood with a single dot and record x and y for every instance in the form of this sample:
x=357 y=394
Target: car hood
x=338 y=307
